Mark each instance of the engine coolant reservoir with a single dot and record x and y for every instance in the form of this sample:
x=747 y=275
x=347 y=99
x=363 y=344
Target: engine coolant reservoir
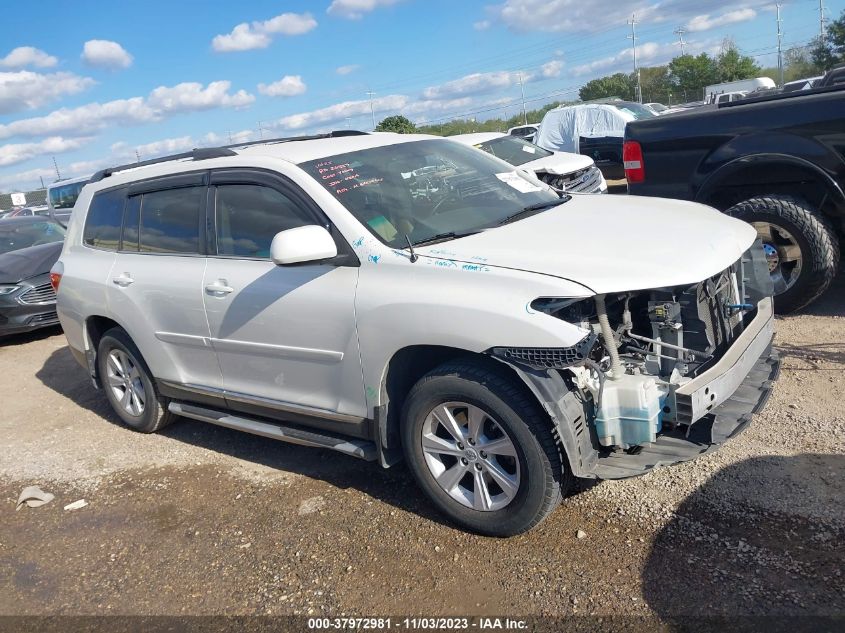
x=631 y=411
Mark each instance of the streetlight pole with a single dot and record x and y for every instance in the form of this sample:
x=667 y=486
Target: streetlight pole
x=633 y=37
x=371 y=94
x=522 y=90
x=780 y=46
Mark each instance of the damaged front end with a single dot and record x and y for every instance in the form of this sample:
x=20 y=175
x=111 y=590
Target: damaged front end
x=663 y=375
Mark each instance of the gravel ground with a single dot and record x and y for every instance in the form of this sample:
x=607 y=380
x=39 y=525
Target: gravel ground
x=203 y=520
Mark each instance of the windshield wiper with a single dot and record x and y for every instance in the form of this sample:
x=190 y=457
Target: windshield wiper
x=533 y=208
x=442 y=237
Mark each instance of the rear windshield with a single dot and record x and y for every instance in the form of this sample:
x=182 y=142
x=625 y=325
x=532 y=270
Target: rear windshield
x=636 y=110
x=514 y=150
x=17 y=235
x=64 y=196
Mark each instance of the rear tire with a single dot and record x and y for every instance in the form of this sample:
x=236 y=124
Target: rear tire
x=786 y=223
x=129 y=384
x=504 y=490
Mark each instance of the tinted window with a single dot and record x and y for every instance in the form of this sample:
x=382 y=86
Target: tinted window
x=514 y=150
x=102 y=226
x=248 y=216
x=132 y=220
x=170 y=221
x=64 y=196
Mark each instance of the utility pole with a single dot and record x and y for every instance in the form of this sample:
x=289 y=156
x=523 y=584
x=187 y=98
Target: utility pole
x=680 y=33
x=56 y=166
x=371 y=94
x=42 y=182
x=522 y=90
x=633 y=37
x=780 y=46
x=137 y=156
x=822 y=20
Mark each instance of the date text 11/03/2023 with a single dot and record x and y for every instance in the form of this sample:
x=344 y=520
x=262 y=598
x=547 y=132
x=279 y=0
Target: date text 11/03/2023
x=417 y=624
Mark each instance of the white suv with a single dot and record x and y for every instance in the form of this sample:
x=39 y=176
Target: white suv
x=390 y=296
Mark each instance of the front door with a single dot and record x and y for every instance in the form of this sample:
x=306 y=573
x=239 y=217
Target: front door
x=285 y=336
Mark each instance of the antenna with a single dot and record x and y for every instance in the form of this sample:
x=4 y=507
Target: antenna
x=633 y=37
x=680 y=33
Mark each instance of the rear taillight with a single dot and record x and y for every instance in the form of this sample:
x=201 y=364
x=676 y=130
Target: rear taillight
x=632 y=157
x=55 y=280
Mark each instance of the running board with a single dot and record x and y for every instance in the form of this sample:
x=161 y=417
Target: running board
x=357 y=448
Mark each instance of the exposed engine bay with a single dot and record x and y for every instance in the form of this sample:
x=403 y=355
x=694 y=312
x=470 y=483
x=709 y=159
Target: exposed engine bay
x=644 y=346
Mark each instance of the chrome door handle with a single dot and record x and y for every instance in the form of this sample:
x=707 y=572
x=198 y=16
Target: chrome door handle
x=219 y=288
x=123 y=280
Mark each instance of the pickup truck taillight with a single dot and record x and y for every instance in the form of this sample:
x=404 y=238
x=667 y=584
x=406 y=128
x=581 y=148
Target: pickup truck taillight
x=632 y=157
x=55 y=280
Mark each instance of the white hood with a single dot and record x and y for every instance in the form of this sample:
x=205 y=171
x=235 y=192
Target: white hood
x=629 y=243
x=560 y=164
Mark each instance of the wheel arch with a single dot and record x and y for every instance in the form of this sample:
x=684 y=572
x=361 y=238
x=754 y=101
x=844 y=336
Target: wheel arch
x=771 y=173
x=94 y=327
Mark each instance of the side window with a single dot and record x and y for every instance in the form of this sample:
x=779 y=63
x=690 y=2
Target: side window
x=131 y=222
x=102 y=224
x=248 y=216
x=169 y=221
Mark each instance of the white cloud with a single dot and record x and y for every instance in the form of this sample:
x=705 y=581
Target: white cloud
x=27 y=57
x=287 y=86
x=355 y=9
x=347 y=70
x=25 y=89
x=161 y=103
x=247 y=36
x=476 y=83
x=481 y=25
x=105 y=54
x=648 y=54
x=154 y=149
x=15 y=153
x=577 y=16
x=191 y=97
x=706 y=22
x=551 y=70
x=339 y=112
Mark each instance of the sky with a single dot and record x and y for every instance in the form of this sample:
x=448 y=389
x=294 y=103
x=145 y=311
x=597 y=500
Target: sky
x=92 y=84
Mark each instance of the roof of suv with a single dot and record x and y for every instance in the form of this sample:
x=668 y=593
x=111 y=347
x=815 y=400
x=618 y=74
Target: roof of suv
x=312 y=149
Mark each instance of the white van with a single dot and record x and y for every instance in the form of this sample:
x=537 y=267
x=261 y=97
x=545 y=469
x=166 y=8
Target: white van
x=711 y=93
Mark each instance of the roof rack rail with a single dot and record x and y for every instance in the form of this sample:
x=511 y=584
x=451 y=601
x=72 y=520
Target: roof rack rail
x=204 y=153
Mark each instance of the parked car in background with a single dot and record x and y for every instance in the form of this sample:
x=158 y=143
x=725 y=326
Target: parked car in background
x=834 y=77
x=28 y=212
x=29 y=246
x=593 y=129
x=563 y=171
x=713 y=92
x=657 y=108
x=62 y=195
x=775 y=161
x=394 y=296
x=801 y=84
x=528 y=132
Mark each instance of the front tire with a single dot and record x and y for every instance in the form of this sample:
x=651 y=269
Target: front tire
x=129 y=385
x=801 y=247
x=481 y=449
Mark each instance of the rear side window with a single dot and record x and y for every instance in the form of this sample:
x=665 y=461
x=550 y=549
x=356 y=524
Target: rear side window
x=168 y=221
x=248 y=216
x=105 y=216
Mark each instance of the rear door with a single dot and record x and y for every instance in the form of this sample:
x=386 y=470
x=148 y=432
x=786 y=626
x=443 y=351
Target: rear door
x=155 y=286
x=285 y=336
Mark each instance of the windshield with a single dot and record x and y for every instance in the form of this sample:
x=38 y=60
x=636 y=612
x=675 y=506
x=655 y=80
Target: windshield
x=17 y=235
x=424 y=189
x=64 y=196
x=636 y=110
x=514 y=150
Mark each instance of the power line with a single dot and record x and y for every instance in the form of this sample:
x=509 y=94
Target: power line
x=680 y=33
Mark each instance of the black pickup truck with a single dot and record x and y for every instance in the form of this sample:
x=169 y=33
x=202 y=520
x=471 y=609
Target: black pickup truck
x=776 y=161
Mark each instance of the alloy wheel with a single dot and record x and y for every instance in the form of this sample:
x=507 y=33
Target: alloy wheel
x=783 y=255
x=470 y=456
x=124 y=380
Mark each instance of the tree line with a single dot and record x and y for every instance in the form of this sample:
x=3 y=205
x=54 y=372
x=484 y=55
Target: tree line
x=681 y=80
